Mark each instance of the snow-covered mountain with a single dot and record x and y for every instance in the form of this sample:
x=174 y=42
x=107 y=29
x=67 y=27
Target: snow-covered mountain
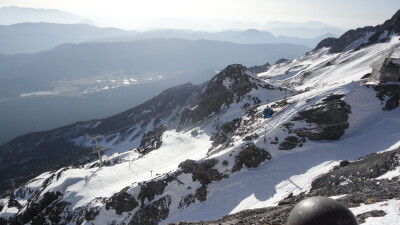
x=202 y=152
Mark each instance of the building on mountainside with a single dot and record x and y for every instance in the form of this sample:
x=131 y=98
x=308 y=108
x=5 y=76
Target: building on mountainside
x=386 y=69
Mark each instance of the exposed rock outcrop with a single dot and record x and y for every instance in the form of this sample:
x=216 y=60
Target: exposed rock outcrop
x=282 y=60
x=289 y=143
x=226 y=84
x=328 y=118
x=122 y=202
x=350 y=37
x=153 y=213
x=327 y=42
x=330 y=115
x=152 y=140
x=389 y=27
x=260 y=69
x=151 y=189
x=362 y=37
x=92 y=213
x=389 y=94
x=13 y=203
x=251 y=156
x=38 y=212
x=200 y=194
x=226 y=130
x=203 y=172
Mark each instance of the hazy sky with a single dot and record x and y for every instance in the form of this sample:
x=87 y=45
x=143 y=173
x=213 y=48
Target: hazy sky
x=341 y=13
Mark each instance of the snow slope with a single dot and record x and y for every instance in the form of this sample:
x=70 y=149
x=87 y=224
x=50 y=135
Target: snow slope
x=210 y=186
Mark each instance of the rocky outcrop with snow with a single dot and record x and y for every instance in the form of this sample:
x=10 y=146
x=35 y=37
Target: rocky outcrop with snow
x=362 y=37
x=362 y=185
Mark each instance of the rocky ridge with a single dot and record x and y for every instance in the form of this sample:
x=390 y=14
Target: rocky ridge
x=371 y=35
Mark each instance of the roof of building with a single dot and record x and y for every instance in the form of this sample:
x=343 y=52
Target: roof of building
x=379 y=63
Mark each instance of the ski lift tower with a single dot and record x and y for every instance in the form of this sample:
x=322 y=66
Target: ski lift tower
x=98 y=149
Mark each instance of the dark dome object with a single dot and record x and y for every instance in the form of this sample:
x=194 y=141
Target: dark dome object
x=321 y=211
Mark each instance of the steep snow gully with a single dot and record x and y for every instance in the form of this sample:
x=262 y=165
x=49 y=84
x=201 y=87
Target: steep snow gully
x=205 y=153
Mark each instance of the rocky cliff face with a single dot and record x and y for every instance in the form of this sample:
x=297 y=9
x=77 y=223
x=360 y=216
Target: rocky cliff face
x=233 y=84
x=362 y=37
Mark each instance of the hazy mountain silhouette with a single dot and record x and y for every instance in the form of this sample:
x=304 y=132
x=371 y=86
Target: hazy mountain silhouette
x=290 y=29
x=250 y=36
x=13 y=15
x=310 y=29
x=34 y=72
x=34 y=37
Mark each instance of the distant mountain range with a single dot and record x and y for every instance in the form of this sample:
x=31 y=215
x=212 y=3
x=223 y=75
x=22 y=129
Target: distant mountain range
x=13 y=15
x=309 y=29
x=29 y=30
x=35 y=72
x=250 y=36
x=35 y=37
x=308 y=24
x=305 y=32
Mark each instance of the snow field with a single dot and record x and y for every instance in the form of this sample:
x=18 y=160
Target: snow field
x=84 y=185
